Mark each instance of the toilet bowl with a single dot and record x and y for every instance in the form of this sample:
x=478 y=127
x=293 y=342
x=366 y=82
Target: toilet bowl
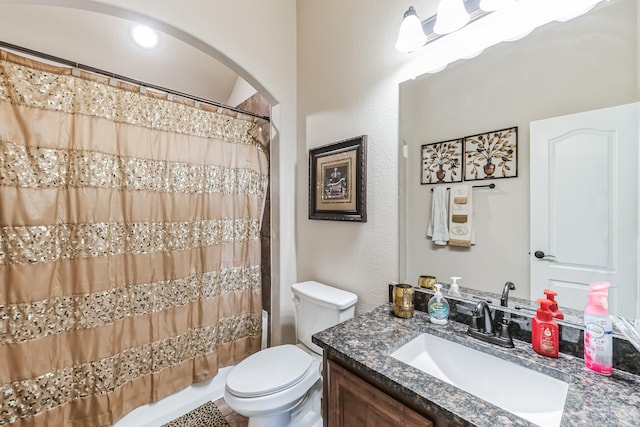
x=281 y=386
x=268 y=385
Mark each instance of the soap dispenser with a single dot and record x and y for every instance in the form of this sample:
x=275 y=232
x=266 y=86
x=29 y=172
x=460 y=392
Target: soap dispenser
x=454 y=289
x=438 y=307
x=544 y=330
x=551 y=296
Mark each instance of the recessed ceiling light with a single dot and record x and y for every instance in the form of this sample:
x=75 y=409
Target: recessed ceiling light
x=144 y=36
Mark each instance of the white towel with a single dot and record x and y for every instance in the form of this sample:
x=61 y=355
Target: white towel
x=461 y=231
x=437 y=229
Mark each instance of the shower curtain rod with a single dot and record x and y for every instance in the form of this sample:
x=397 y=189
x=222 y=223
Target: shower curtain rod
x=128 y=79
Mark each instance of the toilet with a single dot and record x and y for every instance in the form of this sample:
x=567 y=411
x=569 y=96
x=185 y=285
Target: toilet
x=281 y=386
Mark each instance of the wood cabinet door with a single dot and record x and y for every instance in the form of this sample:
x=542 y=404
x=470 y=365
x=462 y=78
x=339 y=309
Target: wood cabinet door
x=354 y=402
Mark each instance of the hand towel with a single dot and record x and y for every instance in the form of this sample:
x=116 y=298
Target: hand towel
x=438 y=225
x=461 y=198
x=461 y=216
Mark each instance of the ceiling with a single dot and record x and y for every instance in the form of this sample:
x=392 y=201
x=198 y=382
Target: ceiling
x=103 y=41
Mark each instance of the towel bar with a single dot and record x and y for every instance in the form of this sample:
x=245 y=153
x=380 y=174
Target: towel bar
x=492 y=185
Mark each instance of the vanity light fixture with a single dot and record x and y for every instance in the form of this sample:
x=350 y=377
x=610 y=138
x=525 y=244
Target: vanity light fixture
x=460 y=36
x=144 y=36
x=452 y=16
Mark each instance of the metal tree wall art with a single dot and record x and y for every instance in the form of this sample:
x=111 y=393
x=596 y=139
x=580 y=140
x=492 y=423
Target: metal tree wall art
x=442 y=162
x=491 y=155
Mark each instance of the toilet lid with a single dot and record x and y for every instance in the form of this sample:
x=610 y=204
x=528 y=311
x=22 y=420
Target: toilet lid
x=269 y=371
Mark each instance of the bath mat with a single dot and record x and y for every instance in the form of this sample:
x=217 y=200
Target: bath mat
x=207 y=415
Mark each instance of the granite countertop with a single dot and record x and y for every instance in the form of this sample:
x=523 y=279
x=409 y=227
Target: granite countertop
x=364 y=343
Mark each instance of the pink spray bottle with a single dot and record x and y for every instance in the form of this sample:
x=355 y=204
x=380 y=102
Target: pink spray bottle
x=598 y=330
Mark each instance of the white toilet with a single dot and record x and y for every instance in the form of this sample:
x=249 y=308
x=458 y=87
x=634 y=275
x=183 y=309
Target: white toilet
x=281 y=386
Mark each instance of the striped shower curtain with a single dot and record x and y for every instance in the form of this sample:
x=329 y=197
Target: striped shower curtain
x=129 y=244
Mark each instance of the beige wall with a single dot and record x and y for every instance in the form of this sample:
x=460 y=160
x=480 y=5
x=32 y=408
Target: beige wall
x=584 y=64
x=348 y=76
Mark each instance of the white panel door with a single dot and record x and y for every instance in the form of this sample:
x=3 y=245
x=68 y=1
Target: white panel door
x=584 y=206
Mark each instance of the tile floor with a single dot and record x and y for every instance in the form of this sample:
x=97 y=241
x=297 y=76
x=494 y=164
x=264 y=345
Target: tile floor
x=234 y=419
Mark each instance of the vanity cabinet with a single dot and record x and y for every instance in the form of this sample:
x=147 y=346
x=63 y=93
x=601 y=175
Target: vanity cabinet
x=351 y=401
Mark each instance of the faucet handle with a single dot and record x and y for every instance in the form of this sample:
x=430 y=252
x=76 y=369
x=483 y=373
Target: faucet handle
x=476 y=316
x=504 y=328
x=474 y=323
x=481 y=319
x=505 y=334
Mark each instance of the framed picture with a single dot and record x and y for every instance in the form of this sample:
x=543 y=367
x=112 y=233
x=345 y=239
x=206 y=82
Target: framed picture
x=491 y=155
x=338 y=181
x=441 y=162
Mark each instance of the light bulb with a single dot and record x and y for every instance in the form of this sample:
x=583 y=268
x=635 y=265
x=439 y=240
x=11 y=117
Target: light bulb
x=411 y=36
x=144 y=36
x=452 y=15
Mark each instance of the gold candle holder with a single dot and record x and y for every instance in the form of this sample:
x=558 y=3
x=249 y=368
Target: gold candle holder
x=403 y=300
x=428 y=282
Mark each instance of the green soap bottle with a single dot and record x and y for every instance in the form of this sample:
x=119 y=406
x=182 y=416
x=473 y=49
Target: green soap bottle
x=438 y=307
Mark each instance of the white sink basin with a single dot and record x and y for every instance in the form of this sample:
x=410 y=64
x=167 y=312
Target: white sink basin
x=528 y=394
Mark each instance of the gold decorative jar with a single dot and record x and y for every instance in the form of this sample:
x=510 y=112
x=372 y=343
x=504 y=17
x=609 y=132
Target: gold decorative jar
x=403 y=300
x=428 y=282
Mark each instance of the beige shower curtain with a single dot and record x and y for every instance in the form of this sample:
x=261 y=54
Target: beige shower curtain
x=129 y=244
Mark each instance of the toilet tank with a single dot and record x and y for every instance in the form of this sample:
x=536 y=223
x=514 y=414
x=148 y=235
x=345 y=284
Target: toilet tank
x=318 y=307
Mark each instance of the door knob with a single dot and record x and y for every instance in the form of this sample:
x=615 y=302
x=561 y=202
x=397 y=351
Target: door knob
x=541 y=255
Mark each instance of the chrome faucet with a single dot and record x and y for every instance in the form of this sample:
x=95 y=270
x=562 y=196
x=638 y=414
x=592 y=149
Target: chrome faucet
x=482 y=326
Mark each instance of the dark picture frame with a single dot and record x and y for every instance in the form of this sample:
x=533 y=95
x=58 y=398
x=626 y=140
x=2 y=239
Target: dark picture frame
x=441 y=162
x=491 y=155
x=338 y=181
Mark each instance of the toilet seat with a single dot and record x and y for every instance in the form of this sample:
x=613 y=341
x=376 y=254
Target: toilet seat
x=269 y=371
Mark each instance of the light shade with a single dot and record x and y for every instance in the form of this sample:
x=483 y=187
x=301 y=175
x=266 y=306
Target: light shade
x=452 y=15
x=493 y=5
x=411 y=36
x=144 y=36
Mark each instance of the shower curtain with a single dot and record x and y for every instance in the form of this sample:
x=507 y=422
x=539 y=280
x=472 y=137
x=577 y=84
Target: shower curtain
x=129 y=244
